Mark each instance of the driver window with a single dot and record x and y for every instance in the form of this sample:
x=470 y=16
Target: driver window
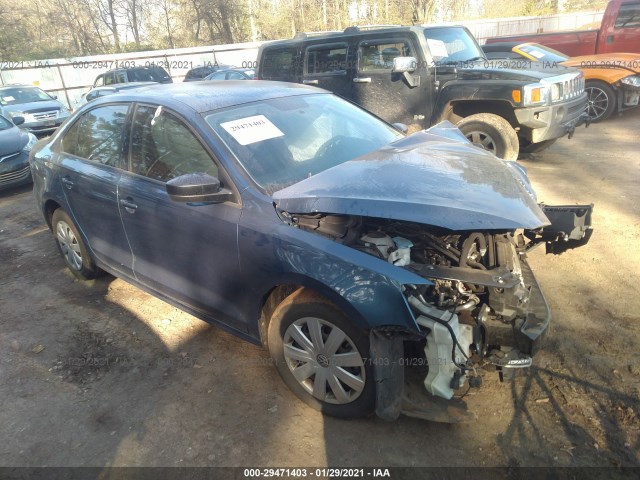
x=162 y=147
x=379 y=55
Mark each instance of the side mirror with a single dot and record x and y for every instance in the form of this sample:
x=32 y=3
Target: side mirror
x=404 y=64
x=401 y=127
x=17 y=120
x=197 y=188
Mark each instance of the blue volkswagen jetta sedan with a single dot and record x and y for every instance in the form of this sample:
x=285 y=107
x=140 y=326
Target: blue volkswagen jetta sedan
x=299 y=221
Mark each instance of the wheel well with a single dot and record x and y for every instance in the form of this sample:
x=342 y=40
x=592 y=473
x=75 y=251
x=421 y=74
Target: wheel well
x=276 y=296
x=49 y=207
x=460 y=110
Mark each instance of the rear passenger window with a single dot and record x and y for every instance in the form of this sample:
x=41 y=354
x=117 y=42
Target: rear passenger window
x=326 y=59
x=278 y=64
x=376 y=55
x=97 y=135
x=162 y=147
x=628 y=16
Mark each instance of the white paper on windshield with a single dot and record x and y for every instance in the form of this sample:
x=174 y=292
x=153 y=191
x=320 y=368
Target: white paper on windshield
x=8 y=99
x=252 y=129
x=536 y=53
x=437 y=47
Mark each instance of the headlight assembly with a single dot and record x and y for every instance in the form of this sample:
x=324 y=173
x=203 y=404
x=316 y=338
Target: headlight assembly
x=30 y=143
x=633 y=80
x=535 y=94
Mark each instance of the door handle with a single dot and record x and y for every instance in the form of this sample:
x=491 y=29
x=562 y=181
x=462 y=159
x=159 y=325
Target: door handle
x=361 y=79
x=310 y=82
x=66 y=181
x=128 y=204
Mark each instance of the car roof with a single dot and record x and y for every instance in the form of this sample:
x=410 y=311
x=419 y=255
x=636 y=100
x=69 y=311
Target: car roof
x=207 y=96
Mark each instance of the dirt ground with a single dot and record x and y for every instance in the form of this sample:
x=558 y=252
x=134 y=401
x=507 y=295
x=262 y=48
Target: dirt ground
x=101 y=373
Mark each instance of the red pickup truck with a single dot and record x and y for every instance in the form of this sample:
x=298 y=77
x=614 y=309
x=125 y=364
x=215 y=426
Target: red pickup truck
x=619 y=32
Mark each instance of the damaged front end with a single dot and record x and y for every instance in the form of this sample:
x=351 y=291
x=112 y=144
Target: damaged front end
x=465 y=226
x=481 y=309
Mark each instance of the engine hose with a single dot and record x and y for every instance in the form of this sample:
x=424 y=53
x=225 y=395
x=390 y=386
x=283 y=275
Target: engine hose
x=418 y=305
x=468 y=305
x=466 y=248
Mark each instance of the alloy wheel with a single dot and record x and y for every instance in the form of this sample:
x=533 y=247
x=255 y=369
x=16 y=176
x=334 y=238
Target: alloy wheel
x=482 y=140
x=597 y=102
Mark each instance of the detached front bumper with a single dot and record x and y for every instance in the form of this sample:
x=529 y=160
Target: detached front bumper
x=548 y=122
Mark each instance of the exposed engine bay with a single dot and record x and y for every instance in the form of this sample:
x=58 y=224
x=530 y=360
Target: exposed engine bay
x=483 y=308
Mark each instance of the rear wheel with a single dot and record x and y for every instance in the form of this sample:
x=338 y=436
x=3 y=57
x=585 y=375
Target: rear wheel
x=320 y=355
x=601 y=100
x=492 y=133
x=71 y=246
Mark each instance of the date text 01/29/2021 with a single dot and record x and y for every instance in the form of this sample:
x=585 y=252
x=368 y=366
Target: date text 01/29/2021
x=316 y=472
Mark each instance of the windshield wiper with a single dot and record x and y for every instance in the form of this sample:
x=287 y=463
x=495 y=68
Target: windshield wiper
x=474 y=59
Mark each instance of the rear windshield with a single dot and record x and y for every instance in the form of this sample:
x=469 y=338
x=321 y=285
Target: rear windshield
x=154 y=74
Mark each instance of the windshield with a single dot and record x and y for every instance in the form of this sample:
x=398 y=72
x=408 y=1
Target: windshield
x=537 y=52
x=452 y=45
x=284 y=140
x=5 y=124
x=18 y=95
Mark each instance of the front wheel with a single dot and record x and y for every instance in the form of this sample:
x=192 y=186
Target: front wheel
x=71 y=246
x=492 y=133
x=321 y=356
x=601 y=100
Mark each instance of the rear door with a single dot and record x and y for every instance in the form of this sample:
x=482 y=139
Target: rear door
x=624 y=35
x=326 y=66
x=382 y=92
x=91 y=162
x=188 y=252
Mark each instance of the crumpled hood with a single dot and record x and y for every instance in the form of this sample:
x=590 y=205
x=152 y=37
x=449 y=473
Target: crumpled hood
x=427 y=178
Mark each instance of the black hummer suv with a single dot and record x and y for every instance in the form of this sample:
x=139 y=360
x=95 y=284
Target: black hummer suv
x=419 y=76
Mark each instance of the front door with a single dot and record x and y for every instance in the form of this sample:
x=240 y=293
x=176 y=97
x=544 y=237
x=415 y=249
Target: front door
x=91 y=165
x=389 y=95
x=188 y=252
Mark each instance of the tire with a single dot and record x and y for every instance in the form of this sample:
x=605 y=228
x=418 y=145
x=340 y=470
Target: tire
x=601 y=100
x=528 y=147
x=72 y=247
x=493 y=133
x=344 y=391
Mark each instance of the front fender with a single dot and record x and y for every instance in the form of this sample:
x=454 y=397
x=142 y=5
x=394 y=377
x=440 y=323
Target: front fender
x=367 y=289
